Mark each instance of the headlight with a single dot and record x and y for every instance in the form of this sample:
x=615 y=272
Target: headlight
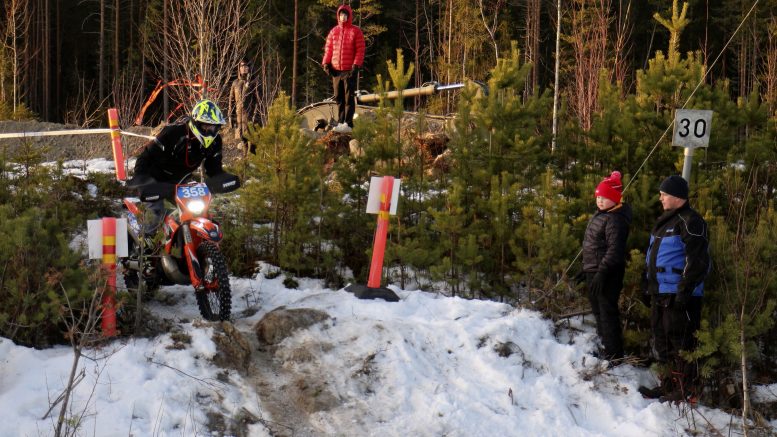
x=195 y=206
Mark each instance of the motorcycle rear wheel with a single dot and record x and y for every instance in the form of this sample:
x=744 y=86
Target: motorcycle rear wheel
x=215 y=303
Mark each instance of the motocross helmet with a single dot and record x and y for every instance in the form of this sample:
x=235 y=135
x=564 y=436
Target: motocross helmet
x=205 y=121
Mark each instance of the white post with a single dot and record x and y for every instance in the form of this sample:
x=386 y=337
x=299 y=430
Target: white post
x=687 y=163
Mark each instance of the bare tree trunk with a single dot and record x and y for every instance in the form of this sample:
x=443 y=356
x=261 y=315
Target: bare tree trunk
x=46 y=61
x=532 y=47
x=17 y=34
x=494 y=24
x=770 y=69
x=101 y=54
x=450 y=54
x=116 y=33
x=133 y=21
x=554 y=136
x=743 y=369
x=294 y=56
x=623 y=32
x=430 y=37
x=220 y=30
x=590 y=23
x=417 y=99
x=166 y=55
x=58 y=63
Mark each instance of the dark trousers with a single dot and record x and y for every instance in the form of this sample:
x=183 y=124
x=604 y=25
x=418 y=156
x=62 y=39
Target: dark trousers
x=673 y=331
x=604 y=305
x=344 y=84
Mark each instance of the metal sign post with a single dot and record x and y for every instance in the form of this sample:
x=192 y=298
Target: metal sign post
x=691 y=130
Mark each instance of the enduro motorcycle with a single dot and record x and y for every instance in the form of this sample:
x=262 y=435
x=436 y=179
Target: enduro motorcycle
x=189 y=253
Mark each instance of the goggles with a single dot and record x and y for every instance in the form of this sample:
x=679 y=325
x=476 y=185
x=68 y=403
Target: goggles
x=208 y=129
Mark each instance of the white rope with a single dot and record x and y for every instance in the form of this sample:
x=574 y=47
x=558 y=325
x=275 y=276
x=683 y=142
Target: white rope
x=53 y=133
x=132 y=134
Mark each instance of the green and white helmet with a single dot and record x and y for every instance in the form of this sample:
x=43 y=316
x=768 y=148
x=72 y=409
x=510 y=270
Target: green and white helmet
x=205 y=121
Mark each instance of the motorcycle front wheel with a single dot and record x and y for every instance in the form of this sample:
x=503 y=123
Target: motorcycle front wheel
x=215 y=299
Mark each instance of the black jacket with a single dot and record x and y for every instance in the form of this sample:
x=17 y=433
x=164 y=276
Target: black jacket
x=604 y=243
x=678 y=257
x=175 y=153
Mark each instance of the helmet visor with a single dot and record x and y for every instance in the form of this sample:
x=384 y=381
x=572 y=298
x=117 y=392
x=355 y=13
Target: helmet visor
x=208 y=129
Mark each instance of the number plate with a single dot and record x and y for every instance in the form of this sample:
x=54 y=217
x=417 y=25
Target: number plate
x=193 y=191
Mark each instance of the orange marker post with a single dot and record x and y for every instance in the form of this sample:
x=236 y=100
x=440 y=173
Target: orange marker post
x=118 y=151
x=379 y=246
x=109 y=265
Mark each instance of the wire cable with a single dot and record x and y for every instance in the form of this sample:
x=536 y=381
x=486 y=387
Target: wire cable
x=698 y=85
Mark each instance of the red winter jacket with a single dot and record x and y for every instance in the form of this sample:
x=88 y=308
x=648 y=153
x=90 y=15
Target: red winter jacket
x=345 y=44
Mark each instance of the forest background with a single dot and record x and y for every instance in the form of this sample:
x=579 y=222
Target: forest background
x=504 y=221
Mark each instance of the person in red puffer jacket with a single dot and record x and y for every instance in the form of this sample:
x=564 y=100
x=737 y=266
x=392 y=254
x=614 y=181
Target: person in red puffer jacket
x=343 y=58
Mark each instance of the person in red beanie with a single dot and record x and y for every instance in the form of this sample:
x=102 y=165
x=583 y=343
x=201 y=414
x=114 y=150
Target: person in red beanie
x=604 y=262
x=343 y=58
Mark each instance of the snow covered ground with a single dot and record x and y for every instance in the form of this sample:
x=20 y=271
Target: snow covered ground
x=427 y=365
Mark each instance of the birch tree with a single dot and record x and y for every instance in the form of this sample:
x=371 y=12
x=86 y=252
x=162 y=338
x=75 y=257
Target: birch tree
x=203 y=41
x=15 y=32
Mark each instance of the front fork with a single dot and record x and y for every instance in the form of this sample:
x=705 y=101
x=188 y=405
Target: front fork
x=189 y=248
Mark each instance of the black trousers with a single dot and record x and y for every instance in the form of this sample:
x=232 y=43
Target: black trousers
x=344 y=84
x=604 y=305
x=673 y=331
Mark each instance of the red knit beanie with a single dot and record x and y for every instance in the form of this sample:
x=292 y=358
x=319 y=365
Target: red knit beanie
x=611 y=187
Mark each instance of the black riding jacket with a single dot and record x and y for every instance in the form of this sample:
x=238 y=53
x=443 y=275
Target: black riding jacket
x=604 y=243
x=175 y=153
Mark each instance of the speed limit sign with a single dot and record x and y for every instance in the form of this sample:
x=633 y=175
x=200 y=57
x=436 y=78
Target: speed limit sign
x=692 y=128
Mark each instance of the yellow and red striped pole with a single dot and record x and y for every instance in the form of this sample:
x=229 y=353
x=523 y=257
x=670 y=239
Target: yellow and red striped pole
x=109 y=264
x=118 y=152
x=379 y=246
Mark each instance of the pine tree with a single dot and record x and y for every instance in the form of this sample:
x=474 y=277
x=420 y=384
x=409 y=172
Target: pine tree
x=286 y=190
x=497 y=153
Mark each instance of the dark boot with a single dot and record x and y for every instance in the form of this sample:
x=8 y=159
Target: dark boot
x=650 y=393
x=658 y=392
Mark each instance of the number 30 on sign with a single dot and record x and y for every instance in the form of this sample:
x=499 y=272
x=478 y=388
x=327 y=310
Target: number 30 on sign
x=692 y=128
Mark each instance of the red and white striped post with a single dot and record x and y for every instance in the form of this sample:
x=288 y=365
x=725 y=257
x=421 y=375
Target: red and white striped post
x=109 y=266
x=384 y=194
x=118 y=151
x=379 y=246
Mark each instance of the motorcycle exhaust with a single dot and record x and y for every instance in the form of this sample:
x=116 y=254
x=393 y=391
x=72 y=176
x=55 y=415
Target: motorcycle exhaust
x=170 y=267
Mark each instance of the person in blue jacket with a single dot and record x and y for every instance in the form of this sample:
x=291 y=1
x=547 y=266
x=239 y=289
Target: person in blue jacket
x=676 y=265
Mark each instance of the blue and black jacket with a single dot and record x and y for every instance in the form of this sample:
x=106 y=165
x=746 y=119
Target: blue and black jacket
x=678 y=257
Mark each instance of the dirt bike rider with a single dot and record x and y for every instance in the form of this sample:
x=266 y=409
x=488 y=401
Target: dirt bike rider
x=176 y=152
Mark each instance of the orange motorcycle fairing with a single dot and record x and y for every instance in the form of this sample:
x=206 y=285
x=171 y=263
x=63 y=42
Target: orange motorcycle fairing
x=206 y=229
